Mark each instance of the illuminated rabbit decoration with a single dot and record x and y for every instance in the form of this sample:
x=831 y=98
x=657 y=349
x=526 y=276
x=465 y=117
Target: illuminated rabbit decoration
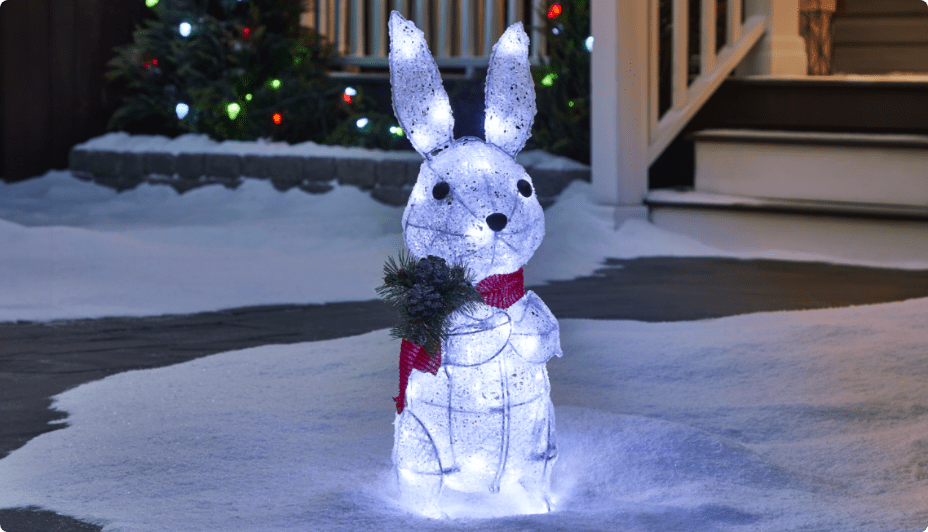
x=484 y=421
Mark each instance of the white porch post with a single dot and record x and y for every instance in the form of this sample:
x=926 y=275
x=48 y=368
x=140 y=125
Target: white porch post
x=619 y=123
x=782 y=51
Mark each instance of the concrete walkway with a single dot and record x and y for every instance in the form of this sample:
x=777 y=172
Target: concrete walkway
x=39 y=360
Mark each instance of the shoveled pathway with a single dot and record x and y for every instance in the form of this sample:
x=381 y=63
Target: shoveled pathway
x=39 y=360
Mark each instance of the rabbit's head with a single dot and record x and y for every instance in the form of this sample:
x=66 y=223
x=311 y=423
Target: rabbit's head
x=472 y=202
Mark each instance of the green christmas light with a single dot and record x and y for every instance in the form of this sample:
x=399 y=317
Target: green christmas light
x=248 y=97
x=275 y=84
x=398 y=131
x=233 y=109
x=548 y=80
x=570 y=103
x=151 y=3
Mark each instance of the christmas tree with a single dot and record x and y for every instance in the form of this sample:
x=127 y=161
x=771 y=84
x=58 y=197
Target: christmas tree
x=562 y=125
x=233 y=69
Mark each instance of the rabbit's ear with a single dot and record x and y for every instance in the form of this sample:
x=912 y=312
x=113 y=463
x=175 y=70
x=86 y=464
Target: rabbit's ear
x=419 y=100
x=510 y=93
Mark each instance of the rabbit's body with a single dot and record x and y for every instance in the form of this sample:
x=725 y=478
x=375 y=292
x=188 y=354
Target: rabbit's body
x=485 y=420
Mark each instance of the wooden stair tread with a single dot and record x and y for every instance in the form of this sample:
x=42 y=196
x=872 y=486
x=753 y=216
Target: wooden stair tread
x=687 y=198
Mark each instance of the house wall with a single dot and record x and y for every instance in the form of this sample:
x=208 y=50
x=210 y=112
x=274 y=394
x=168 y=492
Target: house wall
x=53 y=56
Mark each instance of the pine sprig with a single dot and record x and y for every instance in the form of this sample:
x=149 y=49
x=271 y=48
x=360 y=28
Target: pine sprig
x=426 y=291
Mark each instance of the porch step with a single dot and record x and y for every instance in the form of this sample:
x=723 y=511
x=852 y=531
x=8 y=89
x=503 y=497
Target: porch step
x=857 y=168
x=858 y=231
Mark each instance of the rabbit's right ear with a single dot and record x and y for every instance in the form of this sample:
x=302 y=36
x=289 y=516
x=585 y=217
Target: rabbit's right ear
x=419 y=100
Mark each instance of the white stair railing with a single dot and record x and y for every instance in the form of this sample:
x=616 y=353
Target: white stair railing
x=461 y=33
x=628 y=130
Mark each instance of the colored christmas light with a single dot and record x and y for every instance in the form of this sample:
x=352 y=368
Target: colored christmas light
x=398 y=131
x=246 y=32
x=146 y=64
x=181 y=110
x=548 y=80
x=184 y=29
x=248 y=97
x=154 y=62
x=555 y=10
x=233 y=109
x=275 y=84
x=346 y=97
x=570 y=103
x=151 y=3
x=277 y=118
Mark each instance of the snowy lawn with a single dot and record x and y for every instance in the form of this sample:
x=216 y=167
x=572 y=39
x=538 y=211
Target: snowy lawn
x=774 y=421
x=72 y=249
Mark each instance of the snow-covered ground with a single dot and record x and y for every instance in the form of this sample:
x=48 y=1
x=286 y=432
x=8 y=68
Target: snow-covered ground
x=73 y=249
x=777 y=421
x=774 y=421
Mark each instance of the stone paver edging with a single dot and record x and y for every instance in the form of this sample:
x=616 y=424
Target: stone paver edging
x=123 y=161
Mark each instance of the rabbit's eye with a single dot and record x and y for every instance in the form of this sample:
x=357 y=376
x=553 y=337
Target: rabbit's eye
x=441 y=190
x=524 y=188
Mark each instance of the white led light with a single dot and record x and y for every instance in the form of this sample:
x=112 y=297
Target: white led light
x=184 y=29
x=362 y=123
x=484 y=423
x=181 y=110
x=589 y=43
x=350 y=91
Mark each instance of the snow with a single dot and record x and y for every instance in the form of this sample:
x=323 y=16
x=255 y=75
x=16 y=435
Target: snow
x=771 y=421
x=73 y=249
x=774 y=421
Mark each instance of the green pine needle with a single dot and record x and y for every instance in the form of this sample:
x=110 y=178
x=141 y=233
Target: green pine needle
x=426 y=291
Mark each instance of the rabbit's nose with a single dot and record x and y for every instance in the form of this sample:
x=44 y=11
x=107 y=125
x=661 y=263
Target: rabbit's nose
x=497 y=221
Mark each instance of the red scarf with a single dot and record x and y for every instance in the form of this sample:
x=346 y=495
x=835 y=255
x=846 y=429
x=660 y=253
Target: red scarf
x=499 y=291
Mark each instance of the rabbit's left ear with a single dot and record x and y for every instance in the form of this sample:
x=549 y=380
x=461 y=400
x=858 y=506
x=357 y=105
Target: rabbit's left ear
x=510 y=93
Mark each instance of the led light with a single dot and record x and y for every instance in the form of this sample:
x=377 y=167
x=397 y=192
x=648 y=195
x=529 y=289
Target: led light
x=350 y=91
x=362 y=123
x=275 y=84
x=555 y=10
x=246 y=32
x=181 y=110
x=589 y=43
x=346 y=97
x=548 y=80
x=398 y=131
x=277 y=117
x=233 y=109
x=570 y=103
x=151 y=3
x=248 y=97
x=154 y=62
x=555 y=30
x=184 y=29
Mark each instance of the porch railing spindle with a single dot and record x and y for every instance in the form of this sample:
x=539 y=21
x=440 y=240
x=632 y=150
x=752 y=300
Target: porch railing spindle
x=734 y=21
x=488 y=33
x=707 y=47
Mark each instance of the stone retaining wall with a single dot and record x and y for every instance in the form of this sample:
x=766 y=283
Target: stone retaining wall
x=389 y=179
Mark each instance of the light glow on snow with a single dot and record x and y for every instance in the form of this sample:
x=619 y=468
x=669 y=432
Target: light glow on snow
x=773 y=421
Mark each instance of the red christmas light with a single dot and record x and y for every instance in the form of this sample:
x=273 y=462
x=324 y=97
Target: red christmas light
x=277 y=118
x=246 y=32
x=147 y=64
x=346 y=97
x=154 y=62
x=555 y=10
